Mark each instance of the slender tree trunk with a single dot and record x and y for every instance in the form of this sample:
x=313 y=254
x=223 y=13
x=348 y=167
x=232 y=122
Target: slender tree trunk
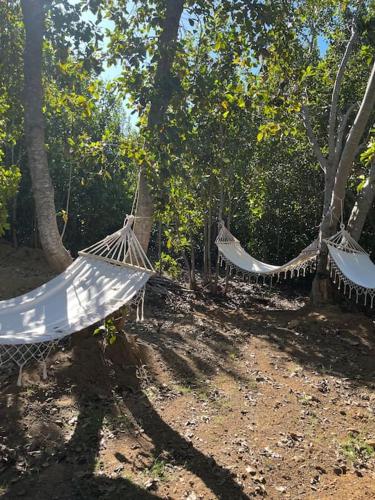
x=205 y=250
x=159 y=104
x=14 y=222
x=159 y=245
x=229 y=216
x=209 y=238
x=188 y=268
x=192 y=265
x=362 y=205
x=56 y=254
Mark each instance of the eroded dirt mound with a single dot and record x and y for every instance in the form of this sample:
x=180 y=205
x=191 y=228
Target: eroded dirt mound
x=250 y=395
x=21 y=270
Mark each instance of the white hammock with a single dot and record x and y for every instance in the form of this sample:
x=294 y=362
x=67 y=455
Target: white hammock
x=231 y=251
x=104 y=277
x=351 y=266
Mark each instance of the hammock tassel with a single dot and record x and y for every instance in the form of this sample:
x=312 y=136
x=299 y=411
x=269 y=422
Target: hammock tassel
x=19 y=380
x=44 y=370
x=143 y=307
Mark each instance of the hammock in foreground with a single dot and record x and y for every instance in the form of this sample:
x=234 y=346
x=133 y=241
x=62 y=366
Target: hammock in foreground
x=105 y=276
x=351 y=266
x=231 y=251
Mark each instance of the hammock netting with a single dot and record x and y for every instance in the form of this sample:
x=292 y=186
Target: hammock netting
x=104 y=277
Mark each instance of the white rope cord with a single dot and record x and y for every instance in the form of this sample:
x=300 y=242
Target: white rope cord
x=121 y=248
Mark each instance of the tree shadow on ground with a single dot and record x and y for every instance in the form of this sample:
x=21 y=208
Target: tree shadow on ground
x=327 y=340
x=72 y=470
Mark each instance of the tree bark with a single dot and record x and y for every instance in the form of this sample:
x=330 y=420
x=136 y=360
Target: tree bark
x=338 y=163
x=350 y=149
x=43 y=192
x=320 y=289
x=163 y=91
x=362 y=205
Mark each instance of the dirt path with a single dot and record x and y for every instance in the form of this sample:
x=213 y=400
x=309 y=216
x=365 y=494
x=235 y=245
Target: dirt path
x=248 y=396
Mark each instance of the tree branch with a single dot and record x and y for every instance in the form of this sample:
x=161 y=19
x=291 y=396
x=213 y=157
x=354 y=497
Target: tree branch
x=336 y=91
x=312 y=138
x=340 y=132
x=351 y=146
x=362 y=205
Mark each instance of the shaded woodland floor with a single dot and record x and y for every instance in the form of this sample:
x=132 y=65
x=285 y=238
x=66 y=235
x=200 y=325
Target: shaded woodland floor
x=250 y=395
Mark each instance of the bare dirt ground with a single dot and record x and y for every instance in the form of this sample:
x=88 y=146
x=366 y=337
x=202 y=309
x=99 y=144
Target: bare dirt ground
x=250 y=395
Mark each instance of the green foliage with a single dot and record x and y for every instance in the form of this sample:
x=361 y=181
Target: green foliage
x=168 y=264
x=369 y=154
x=108 y=330
x=355 y=448
x=9 y=180
x=158 y=469
x=232 y=143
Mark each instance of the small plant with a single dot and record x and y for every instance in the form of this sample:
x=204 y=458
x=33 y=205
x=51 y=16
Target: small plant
x=144 y=377
x=3 y=490
x=108 y=330
x=252 y=384
x=30 y=392
x=355 y=448
x=305 y=399
x=120 y=422
x=232 y=356
x=99 y=465
x=184 y=389
x=157 y=469
x=170 y=265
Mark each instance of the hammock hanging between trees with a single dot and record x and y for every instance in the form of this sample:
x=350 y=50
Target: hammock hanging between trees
x=231 y=252
x=351 y=266
x=105 y=277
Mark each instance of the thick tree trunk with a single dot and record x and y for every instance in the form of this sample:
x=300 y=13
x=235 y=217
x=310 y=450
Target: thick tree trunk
x=159 y=104
x=362 y=205
x=320 y=289
x=350 y=149
x=56 y=254
x=144 y=212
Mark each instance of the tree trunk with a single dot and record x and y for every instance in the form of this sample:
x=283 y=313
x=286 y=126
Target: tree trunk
x=144 y=212
x=56 y=254
x=320 y=291
x=329 y=223
x=193 y=282
x=362 y=205
x=205 y=250
x=159 y=104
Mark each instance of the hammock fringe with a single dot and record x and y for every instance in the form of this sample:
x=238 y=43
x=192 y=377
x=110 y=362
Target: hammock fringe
x=341 y=246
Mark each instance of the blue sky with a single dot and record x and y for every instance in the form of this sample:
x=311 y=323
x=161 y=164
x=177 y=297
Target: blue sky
x=114 y=71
